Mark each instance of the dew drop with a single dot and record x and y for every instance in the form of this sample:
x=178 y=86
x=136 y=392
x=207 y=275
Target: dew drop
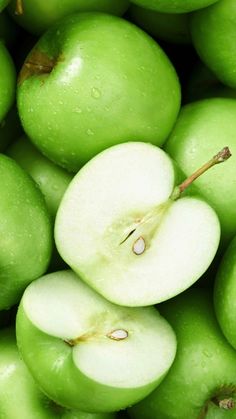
x=95 y=92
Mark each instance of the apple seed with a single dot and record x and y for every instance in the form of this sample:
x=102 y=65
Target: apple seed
x=118 y=334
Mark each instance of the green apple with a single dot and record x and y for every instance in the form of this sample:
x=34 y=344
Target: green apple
x=25 y=232
x=87 y=353
x=7 y=81
x=51 y=179
x=122 y=228
x=93 y=81
x=201 y=128
x=10 y=129
x=202 y=380
x=16 y=383
x=172 y=28
x=225 y=292
x=214 y=34
x=174 y=6
x=39 y=15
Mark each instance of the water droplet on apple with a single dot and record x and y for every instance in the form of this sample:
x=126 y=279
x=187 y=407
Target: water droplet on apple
x=95 y=92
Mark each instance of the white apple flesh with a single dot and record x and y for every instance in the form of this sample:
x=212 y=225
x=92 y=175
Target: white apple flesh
x=120 y=230
x=87 y=353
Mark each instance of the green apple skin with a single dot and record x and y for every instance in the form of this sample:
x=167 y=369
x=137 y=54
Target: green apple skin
x=10 y=129
x=225 y=292
x=26 y=232
x=203 y=128
x=17 y=383
x=55 y=370
x=214 y=35
x=204 y=367
x=3 y=4
x=40 y=15
x=174 y=6
x=7 y=81
x=120 y=77
x=172 y=28
x=51 y=179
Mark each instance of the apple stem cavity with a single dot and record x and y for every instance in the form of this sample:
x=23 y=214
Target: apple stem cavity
x=118 y=334
x=36 y=64
x=19 y=8
x=220 y=157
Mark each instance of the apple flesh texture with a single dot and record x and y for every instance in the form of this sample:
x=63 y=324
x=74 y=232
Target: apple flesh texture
x=25 y=232
x=7 y=81
x=65 y=326
x=174 y=6
x=225 y=292
x=214 y=37
x=16 y=383
x=108 y=73
x=42 y=14
x=51 y=179
x=201 y=129
x=204 y=367
x=172 y=28
x=124 y=188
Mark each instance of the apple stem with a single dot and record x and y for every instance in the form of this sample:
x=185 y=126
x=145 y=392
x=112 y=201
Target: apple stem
x=118 y=334
x=19 y=8
x=220 y=157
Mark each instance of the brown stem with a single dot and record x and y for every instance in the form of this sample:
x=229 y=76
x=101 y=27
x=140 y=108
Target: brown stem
x=19 y=8
x=220 y=157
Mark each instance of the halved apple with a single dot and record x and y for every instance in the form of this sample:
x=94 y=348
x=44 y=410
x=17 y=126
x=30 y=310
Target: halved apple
x=87 y=353
x=122 y=228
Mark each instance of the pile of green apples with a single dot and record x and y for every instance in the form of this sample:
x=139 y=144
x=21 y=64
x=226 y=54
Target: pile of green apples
x=118 y=209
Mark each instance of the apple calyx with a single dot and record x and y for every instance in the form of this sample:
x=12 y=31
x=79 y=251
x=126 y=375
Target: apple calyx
x=117 y=334
x=227 y=404
x=37 y=63
x=153 y=217
x=19 y=11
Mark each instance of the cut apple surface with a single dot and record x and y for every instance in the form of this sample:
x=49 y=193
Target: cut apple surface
x=91 y=354
x=121 y=229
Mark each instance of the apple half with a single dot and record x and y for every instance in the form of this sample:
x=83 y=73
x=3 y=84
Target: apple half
x=121 y=228
x=87 y=353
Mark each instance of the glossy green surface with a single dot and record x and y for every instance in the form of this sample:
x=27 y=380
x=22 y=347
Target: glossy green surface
x=7 y=81
x=214 y=37
x=204 y=367
x=40 y=15
x=225 y=293
x=112 y=83
x=25 y=232
x=17 y=384
x=202 y=129
x=51 y=179
x=10 y=129
x=169 y=27
x=174 y=6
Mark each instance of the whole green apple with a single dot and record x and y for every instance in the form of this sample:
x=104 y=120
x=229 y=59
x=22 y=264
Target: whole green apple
x=169 y=27
x=214 y=34
x=225 y=292
x=16 y=383
x=25 y=232
x=123 y=228
x=7 y=81
x=87 y=353
x=93 y=81
x=202 y=380
x=174 y=6
x=51 y=179
x=39 y=15
x=201 y=128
